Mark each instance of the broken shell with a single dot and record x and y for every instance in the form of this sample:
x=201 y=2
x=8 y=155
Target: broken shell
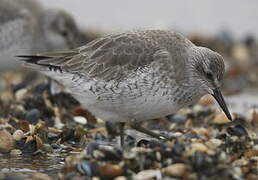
x=18 y=135
x=206 y=100
x=221 y=118
x=6 y=141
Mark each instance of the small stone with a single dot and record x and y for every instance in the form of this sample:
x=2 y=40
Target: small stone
x=120 y=178
x=47 y=148
x=80 y=120
x=24 y=125
x=6 y=97
x=33 y=116
x=176 y=170
x=255 y=117
x=52 y=136
x=19 y=86
x=112 y=128
x=177 y=118
x=30 y=146
x=202 y=131
x=148 y=174
x=87 y=168
x=214 y=143
x=250 y=153
x=241 y=55
x=110 y=170
x=20 y=94
x=18 y=135
x=192 y=135
x=15 y=152
x=199 y=161
x=197 y=108
x=240 y=162
x=237 y=130
x=40 y=176
x=6 y=141
x=3 y=84
x=199 y=147
x=221 y=118
x=104 y=152
x=18 y=112
x=99 y=137
x=252 y=177
x=178 y=149
x=79 y=111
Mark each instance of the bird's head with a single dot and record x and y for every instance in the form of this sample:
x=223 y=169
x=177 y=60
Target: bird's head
x=60 y=29
x=208 y=68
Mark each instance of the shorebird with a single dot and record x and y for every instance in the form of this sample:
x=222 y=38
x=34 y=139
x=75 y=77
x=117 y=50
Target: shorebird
x=24 y=22
x=136 y=76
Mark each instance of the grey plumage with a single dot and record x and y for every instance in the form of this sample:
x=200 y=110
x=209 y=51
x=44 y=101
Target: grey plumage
x=136 y=75
x=113 y=57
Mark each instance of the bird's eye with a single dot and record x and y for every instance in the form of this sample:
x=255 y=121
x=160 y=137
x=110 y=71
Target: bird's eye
x=209 y=75
x=64 y=33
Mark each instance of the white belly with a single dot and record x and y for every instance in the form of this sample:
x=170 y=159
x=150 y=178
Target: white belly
x=126 y=101
x=126 y=109
x=123 y=103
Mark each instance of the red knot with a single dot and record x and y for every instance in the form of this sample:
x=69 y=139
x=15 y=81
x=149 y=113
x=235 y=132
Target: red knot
x=136 y=76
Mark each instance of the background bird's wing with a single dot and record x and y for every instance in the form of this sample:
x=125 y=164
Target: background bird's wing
x=108 y=58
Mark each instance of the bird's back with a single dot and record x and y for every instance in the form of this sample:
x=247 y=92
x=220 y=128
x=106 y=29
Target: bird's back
x=115 y=56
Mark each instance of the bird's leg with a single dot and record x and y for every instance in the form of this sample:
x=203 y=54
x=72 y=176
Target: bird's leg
x=137 y=126
x=122 y=137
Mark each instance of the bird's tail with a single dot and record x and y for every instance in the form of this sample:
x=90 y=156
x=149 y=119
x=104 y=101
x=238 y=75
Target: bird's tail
x=47 y=61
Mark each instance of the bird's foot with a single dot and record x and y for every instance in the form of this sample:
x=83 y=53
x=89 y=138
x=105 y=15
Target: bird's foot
x=137 y=126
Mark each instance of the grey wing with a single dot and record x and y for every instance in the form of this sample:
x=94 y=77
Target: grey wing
x=108 y=58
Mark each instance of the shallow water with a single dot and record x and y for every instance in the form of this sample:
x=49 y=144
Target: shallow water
x=29 y=164
x=243 y=102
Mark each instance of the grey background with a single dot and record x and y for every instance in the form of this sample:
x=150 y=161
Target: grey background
x=200 y=16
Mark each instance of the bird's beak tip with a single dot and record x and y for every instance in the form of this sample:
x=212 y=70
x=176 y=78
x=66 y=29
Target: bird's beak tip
x=230 y=117
x=219 y=98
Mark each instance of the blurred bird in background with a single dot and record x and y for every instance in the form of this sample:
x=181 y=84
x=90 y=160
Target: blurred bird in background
x=27 y=27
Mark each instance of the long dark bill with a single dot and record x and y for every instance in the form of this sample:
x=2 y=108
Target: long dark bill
x=219 y=98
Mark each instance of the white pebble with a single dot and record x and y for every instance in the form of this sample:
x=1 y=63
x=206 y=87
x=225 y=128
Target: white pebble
x=20 y=94
x=148 y=174
x=80 y=119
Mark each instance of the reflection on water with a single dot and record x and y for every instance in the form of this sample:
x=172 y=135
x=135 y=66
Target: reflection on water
x=27 y=164
x=243 y=102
